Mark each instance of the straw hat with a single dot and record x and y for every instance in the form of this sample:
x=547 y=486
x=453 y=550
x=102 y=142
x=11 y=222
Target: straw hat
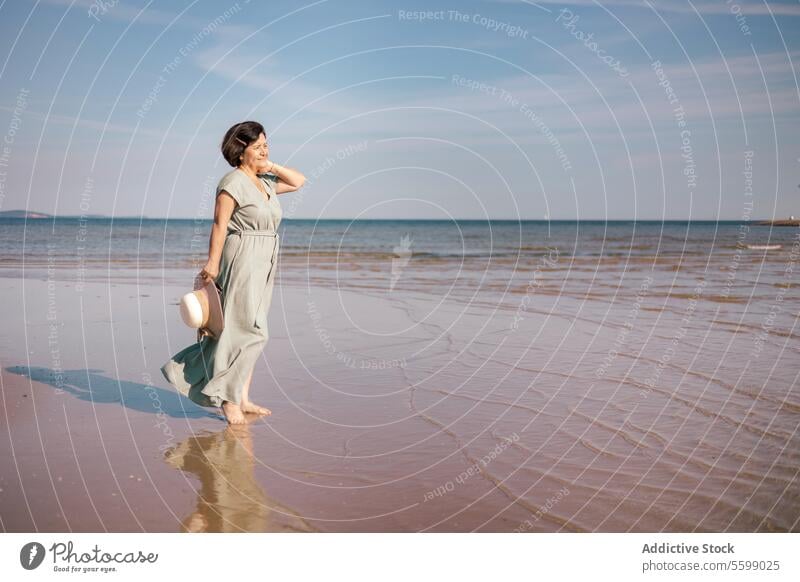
x=201 y=309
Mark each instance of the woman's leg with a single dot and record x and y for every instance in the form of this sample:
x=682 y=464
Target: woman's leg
x=233 y=411
x=248 y=406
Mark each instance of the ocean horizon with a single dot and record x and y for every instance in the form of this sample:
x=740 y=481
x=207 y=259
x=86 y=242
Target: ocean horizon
x=289 y=218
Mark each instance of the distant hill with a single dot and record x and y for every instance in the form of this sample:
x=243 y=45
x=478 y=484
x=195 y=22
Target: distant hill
x=32 y=215
x=23 y=214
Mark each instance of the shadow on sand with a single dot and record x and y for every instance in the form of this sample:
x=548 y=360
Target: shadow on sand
x=90 y=385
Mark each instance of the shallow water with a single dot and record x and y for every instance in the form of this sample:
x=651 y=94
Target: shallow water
x=620 y=377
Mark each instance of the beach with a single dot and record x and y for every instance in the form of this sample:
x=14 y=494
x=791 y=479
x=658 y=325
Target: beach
x=516 y=390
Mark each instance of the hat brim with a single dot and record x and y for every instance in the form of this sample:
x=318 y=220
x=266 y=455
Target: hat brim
x=216 y=317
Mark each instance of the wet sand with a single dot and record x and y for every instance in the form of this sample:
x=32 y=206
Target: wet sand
x=396 y=412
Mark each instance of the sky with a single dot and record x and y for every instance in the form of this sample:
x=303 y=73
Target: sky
x=497 y=109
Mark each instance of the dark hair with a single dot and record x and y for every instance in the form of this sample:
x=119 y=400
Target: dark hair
x=239 y=137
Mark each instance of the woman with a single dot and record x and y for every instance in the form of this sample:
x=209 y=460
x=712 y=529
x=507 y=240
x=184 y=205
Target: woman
x=242 y=260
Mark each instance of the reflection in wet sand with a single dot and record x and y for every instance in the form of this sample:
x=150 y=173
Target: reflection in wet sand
x=230 y=499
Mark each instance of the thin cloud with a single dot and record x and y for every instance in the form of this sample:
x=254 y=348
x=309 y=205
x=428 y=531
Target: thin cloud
x=749 y=8
x=58 y=119
x=123 y=13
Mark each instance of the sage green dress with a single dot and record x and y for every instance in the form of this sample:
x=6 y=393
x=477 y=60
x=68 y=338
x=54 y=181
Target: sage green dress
x=214 y=370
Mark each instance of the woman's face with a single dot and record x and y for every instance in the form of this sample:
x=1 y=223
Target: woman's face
x=256 y=154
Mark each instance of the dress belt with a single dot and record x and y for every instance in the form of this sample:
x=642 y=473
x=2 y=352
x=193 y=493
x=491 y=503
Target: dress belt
x=249 y=232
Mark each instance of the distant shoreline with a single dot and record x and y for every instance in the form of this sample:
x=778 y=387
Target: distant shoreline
x=779 y=222
x=22 y=215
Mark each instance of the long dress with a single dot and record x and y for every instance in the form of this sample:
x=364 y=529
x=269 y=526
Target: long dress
x=211 y=371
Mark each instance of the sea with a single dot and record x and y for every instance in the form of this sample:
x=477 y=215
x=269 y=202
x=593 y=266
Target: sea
x=592 y=260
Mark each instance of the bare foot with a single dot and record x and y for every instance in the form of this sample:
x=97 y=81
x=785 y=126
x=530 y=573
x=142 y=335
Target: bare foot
x=255 y=409
x=233 y=413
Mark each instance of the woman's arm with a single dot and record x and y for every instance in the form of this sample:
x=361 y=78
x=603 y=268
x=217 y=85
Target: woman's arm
x=222 y=214
x=290 y=179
